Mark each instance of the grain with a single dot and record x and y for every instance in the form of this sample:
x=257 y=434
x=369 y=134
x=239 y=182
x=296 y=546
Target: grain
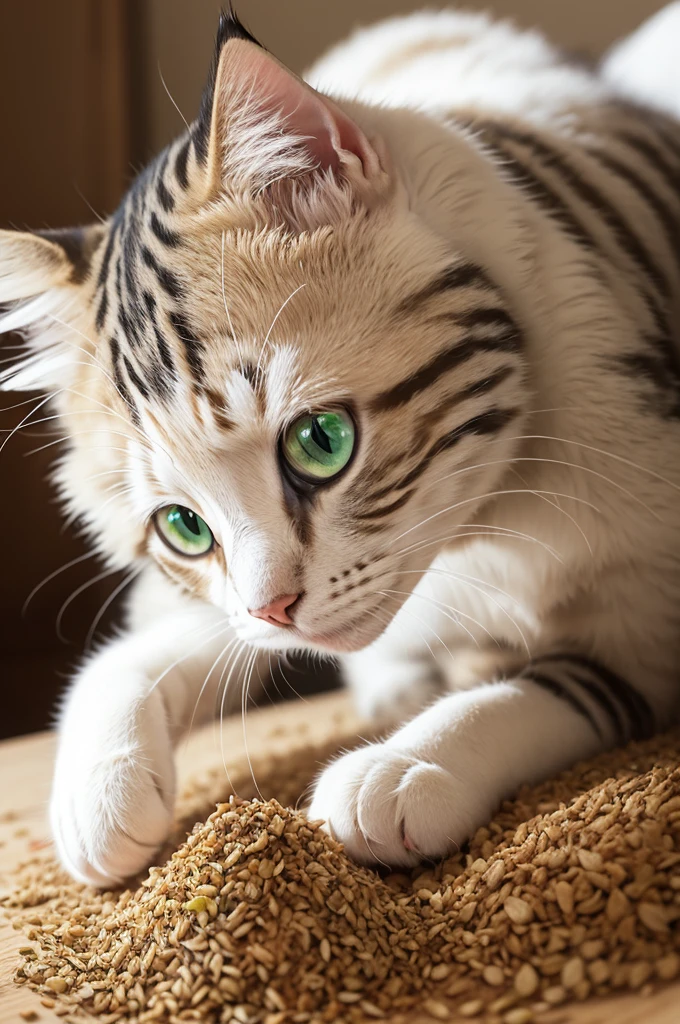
x=520 y=1015
x=518 y=910
x=471 y=1008
x=436 y=1009
x=256 y=916
x=526 y=981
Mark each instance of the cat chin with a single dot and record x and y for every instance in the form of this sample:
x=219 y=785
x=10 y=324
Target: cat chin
x=340 y=642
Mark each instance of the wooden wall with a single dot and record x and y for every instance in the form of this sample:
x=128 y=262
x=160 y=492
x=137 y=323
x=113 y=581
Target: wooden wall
x=66 y=152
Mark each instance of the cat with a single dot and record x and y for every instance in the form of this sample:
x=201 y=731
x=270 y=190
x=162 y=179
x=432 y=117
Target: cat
x=384 y=367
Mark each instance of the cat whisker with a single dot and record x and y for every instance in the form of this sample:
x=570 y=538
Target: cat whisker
x=485 y=530
x=171 y=98
x=210 y=627
x=76 y=593
x=454 y=614
x=107 y=604
x=244 y=708
x=288 y=683
x=78 y=433
x=557 y=462
x=271 y=326
x=489 y=494
x=206 y=680
x=53 y=575
x=470 y=581
x=556 y=504
x=235 y=661
x=24 y=420
x=226 y=309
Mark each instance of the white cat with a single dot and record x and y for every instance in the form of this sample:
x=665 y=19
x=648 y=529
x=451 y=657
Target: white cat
x=393 y=376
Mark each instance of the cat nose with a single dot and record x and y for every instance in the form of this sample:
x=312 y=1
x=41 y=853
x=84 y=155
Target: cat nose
x=276 y=612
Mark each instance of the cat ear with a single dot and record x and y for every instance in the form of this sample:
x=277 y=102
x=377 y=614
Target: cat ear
x=40 y=275
x=262 y=126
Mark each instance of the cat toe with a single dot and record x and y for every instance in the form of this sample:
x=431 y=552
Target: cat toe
x=107 y=825
x=388 y=807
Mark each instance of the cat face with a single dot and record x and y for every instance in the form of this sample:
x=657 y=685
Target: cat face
x=279 y=384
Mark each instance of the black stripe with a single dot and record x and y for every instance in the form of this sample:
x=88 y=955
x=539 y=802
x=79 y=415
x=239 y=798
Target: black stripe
x=163 y=233
x=102 y=308
x=490 y=422
x=128 y=327
x=459 y=275
x=167 y=280
x=552 y=204
x=108 y=252
x=640 y=714
x=658 y=368
x=538 y=190
x=475 y=390
x=443 y=363
x=192 y=344
x=666 y=128
x=653 y=157
x=600 y=697
x=119 y=382
x=163 y=347
x=181 y=164
x=165 y=197
x=587 y=191
x=483 y=386
x=667 y=218
x=129 y=256
x=136 y=379
x=564 y=693
x=482 y=316
x=379 y=513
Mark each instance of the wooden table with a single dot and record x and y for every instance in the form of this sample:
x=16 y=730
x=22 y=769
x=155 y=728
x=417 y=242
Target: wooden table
x=25 y=768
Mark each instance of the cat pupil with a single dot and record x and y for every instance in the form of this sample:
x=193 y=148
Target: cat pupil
x=320 y=437
x=190 y=520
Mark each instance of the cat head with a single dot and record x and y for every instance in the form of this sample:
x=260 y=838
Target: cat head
x=276 y=382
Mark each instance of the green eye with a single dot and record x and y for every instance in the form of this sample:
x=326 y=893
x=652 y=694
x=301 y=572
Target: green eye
x=184 y=531
x=318 y=446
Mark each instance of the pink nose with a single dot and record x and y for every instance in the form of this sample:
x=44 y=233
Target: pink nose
x=276 y=612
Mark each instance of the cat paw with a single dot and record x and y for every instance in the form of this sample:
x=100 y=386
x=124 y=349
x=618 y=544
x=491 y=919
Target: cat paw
x=112 y=797
x=388 y=806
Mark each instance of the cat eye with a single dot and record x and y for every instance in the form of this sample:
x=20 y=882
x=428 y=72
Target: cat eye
x=318 y=446
x=184 y=531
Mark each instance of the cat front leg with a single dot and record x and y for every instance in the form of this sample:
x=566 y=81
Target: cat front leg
x=425 y=790
x=393 y=679
x=114 y=782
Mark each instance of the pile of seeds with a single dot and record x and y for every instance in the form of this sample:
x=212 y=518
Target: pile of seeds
x=258 y=916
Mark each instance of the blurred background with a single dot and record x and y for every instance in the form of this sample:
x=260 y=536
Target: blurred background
x=89 y=91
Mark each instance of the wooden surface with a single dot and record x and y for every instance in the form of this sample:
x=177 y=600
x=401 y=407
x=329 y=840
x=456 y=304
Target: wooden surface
x=25 y=768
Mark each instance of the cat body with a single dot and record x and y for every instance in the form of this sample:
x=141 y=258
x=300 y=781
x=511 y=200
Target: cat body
x=469 y=259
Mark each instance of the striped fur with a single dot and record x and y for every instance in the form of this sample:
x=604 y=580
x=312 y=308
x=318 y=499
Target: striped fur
x=473 y=246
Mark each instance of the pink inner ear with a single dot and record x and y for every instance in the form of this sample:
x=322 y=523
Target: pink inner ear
x=324 y=129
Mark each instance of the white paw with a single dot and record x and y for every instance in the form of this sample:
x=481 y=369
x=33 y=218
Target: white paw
x=113 y=794
x=390 y=806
